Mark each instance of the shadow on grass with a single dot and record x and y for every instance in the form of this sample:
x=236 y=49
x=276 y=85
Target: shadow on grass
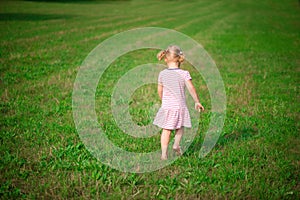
x=31 y=17
x=241 y=134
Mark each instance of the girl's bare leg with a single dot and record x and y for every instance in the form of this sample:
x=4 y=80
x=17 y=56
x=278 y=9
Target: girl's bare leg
x=178 y=136
x=165 y=138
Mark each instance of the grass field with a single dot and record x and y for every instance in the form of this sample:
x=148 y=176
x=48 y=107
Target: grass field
x=255 y=45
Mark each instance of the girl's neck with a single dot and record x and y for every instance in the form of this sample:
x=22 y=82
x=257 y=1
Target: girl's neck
x=173 y=65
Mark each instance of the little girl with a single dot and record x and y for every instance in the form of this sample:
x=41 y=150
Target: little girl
x=174 y=114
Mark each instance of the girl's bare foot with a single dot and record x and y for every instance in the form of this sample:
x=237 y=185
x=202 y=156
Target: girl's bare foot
x=177 y=150
x=164 y=158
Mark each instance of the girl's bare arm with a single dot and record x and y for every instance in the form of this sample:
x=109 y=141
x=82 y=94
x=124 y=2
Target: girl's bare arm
x=192 y=90
x=160 y=91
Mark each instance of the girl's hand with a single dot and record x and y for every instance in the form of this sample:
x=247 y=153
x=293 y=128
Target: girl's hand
x=199 y=107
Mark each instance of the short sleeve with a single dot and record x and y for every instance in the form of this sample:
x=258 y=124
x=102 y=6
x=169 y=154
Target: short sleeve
x=187 y=76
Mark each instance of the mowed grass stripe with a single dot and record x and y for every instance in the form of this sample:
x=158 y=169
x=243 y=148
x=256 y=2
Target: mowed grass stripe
x=44 y=40
x=200 y=24
x=17 y=55
x=61 y=30
x=48 y=35
x=169 y=21
x=110 y=23
x=203 y=12
x=53 y=25
x=218 y=26
x=65 y=46
x=62 y=33
x=50 y=27
x=79 y=22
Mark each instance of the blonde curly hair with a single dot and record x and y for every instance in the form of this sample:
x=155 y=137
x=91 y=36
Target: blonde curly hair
x=172 y=53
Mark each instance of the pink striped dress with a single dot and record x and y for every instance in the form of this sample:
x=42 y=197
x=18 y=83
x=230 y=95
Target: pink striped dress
x=173 y=113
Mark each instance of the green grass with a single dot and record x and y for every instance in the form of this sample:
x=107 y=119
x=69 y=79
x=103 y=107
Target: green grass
x=255 y=46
